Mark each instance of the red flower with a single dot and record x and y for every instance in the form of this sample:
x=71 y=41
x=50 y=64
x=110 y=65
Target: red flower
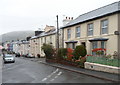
x=89 y=55
x=98 y=49
x=69 y=54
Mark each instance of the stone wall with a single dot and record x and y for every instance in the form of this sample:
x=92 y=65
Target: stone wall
x=100 y=67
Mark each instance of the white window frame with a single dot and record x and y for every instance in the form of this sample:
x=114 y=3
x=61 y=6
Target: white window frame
x=90 y=29
x=68 y=33
x=103 y=26
x=78 y=31
x=93 y=43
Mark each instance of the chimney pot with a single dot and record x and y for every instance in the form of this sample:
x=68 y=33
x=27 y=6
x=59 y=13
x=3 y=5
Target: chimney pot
x=66 y=17
x=71 y=18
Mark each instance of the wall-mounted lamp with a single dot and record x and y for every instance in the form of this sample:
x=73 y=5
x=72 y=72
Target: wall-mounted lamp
x=117 y=33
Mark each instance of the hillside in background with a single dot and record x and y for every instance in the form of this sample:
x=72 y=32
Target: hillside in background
x=16 y=35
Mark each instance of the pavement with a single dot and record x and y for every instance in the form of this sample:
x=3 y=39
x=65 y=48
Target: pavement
x=92 y=73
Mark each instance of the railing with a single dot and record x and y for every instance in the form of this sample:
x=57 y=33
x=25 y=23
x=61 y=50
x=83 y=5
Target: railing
x=104 y=61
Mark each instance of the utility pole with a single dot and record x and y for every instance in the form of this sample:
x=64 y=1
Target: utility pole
x=57 y=33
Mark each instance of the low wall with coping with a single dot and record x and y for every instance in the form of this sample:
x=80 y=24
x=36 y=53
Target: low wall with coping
x=100 y=67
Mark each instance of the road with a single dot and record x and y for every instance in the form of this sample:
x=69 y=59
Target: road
x=26 y=71
x=0 y=69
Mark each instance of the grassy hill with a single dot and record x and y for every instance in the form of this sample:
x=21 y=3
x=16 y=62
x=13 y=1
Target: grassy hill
x=16 y=35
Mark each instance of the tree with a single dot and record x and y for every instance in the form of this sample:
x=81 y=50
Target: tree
x=48 y=50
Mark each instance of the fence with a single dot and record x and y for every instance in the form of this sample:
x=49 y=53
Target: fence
x=104 y=61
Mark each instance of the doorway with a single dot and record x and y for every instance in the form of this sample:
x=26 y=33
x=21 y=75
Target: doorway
x=83 y=43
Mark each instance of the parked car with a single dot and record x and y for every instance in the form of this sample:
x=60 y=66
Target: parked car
x=8 y=58
x=17 y=55
x=30 y=56
x=23 y=55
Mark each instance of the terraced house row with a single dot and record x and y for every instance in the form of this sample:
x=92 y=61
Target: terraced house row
x=99 y=28
x=95 y=29
x=47 y=36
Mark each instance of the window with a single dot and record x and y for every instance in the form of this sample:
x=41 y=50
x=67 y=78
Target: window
x=41 y=40
x=103 y=44
x=45 y=40
x=71 y=45
x=94 y=45
x=69 y=33
x=84 y=44
x=50 y=40
x=104 y=26
x=77 y=31
x=90 y=29
x=68 y=45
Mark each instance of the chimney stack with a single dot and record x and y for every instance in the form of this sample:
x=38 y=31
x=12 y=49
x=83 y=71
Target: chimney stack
x=67 y=20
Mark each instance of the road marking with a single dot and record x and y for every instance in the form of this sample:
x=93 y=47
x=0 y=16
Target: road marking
x=50 y=75
x=39 y=61
x=56 y=71
x=59 y=73
x=44 y=79
x=52 y=79
x=53 y=73
x=56 y=77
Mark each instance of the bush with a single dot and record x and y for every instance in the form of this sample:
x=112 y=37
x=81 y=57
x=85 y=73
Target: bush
x=62 y=52
x=48 y=50
x=81 y=61
x=80 y=51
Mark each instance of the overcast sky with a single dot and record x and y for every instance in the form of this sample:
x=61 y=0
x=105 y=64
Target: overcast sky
x=17 y=15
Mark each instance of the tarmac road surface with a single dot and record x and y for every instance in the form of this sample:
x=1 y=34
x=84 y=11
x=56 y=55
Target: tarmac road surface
x=26 y=71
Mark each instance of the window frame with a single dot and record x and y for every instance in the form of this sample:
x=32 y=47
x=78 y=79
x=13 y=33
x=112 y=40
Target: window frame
x=50 y=39
x=68 y=33
x=45 y=39
x=95 y=42
x=89 y=30
x=77 y=32
x=104 y=44
x=103 y=26
x=41 y=40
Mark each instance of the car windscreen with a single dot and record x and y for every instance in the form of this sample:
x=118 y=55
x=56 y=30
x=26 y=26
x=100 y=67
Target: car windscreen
x=8 y=56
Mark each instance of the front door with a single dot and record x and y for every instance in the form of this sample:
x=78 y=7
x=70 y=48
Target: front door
x=83 y=43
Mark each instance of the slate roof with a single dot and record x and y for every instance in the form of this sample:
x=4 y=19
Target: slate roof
x=53 y=31
x=34 y=37
x=48 y=33
x=106 y=10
